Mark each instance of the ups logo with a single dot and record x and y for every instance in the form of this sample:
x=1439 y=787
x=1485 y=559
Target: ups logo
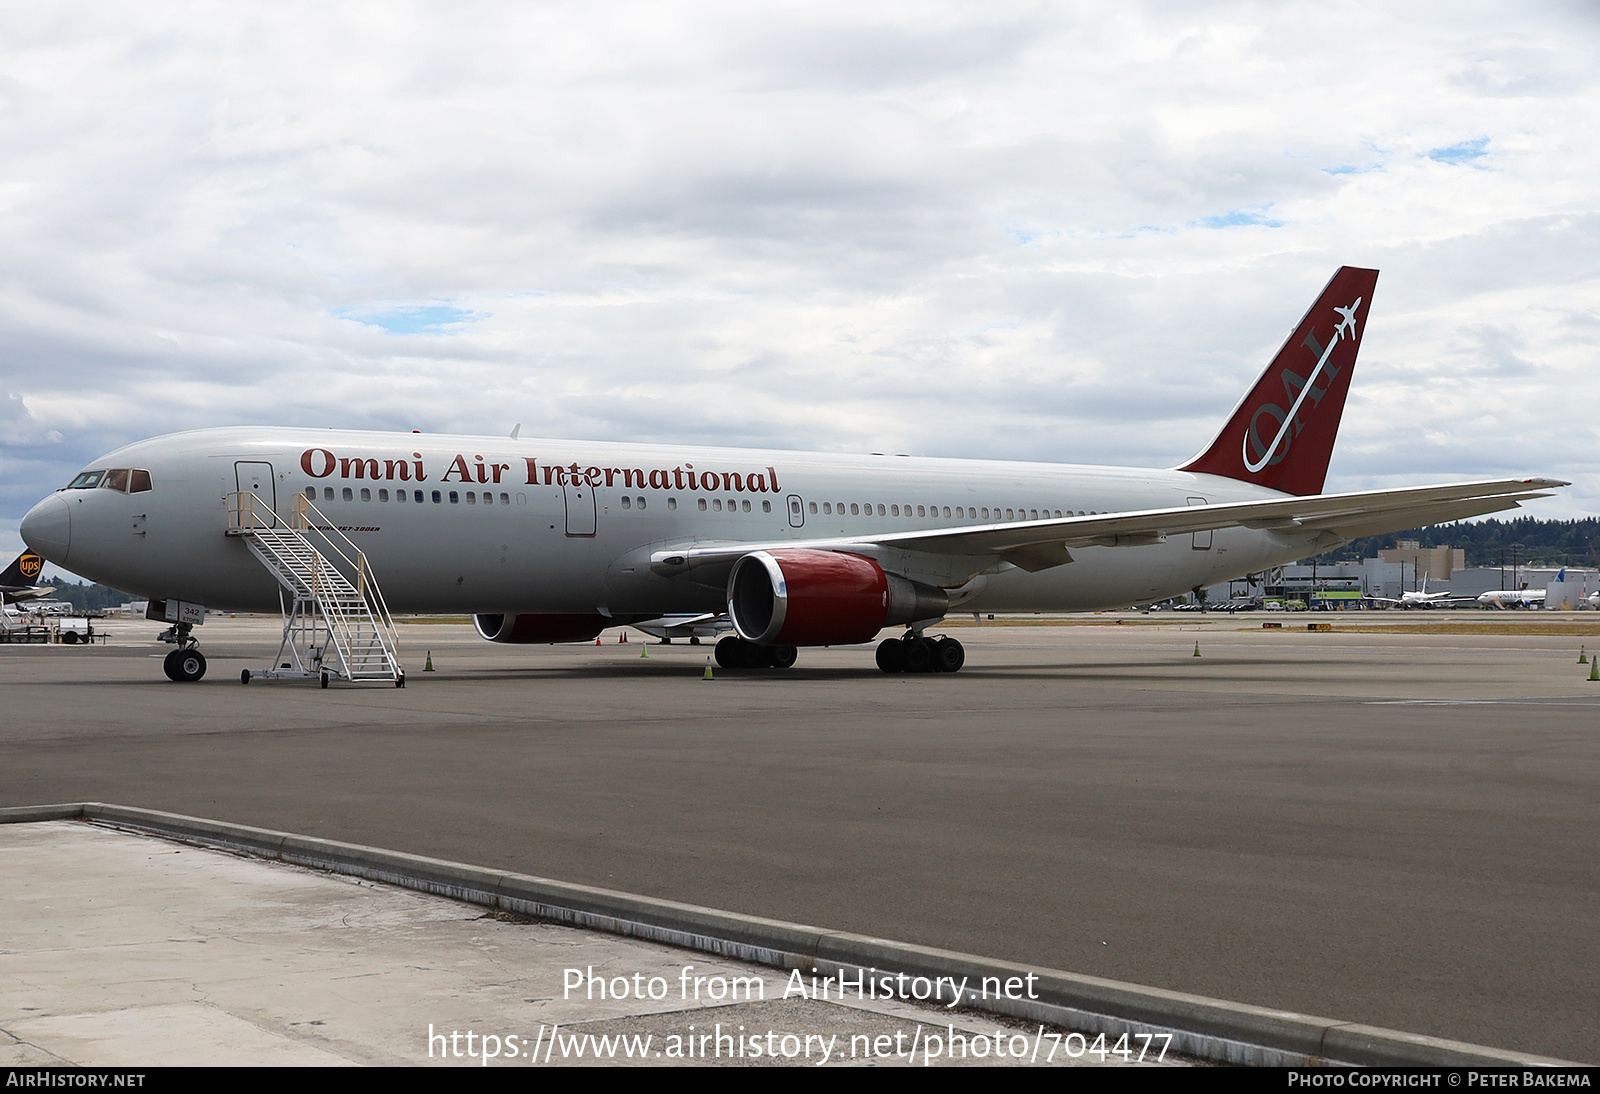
x=31 y=565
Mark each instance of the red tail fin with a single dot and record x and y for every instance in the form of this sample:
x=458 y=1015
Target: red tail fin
x=1281 y=436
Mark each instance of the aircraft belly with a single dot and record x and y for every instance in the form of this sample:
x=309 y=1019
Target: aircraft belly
x=1101 y=578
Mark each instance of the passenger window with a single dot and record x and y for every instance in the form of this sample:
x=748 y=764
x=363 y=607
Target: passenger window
x=399 y=495
x=488 y=498
x=383 y=495
x=855 y=510
x=455 y=499
x=472 y=497
x=813 y=508
x=827 y=507
x=626 y=502
x=138 y=481
x=327 y=493
x=436 y=497
x=348 y=494
x=672 y=503
x=716 y=504
x=640 y=503
x=881 y=511
x=921 y=512
x=766 y=507
x=366 y=495
x=116 y=479
x=746 y=507
x=702 y=505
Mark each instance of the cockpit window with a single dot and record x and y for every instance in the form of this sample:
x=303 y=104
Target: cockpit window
x=86 y=480
x=138 y=481
x=116 y=479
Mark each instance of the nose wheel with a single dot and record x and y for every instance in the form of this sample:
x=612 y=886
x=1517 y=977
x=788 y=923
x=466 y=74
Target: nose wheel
x=185 y=666
x=914 y=653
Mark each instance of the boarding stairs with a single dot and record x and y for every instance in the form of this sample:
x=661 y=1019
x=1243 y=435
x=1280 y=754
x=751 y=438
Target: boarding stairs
x=335 y=622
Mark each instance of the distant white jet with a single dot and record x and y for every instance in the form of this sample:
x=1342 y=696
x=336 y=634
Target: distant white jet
x=1423 y=599
x=1517 y=598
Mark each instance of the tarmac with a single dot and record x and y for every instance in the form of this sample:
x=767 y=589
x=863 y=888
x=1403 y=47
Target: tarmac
x=1388 y=828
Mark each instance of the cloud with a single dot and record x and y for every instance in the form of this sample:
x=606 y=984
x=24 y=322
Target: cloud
x=1019 y=231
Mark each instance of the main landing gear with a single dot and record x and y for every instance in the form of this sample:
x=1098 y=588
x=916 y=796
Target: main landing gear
x=736 y=653
x=914 y=653
x=186 y=664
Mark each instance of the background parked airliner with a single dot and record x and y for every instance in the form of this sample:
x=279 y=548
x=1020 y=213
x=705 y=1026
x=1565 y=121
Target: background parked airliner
x=16 y=583
x=547 y=540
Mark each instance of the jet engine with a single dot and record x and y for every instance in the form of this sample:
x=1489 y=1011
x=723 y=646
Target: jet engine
x=528 y=629
x=822 y=598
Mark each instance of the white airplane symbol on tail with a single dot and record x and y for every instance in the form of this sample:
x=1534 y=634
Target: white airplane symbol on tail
x=1349 y=319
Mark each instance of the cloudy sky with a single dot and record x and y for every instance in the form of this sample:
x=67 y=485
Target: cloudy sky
x=1061 y=232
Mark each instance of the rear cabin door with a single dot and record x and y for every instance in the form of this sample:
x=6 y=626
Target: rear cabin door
x=1200 y=541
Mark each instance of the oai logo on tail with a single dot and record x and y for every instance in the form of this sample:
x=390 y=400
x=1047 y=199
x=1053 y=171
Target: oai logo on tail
x=1308 y=386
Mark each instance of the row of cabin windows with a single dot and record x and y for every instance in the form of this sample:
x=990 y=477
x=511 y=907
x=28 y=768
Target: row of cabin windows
x=136 y=480
x=965 y=512
x=128 y=480
x=417 y=496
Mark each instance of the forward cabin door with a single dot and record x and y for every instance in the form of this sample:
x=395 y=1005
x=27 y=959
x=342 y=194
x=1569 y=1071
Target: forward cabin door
x=797 y=511
x=255 y=477
x=580 y=507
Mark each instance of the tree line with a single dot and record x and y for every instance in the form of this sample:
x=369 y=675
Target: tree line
x=1535 y=542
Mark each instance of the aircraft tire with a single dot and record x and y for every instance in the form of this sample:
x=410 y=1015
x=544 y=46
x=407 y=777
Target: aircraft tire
x=244 y=676
x=918 y=655
x=184 y=666
x=948 y=655
x=729 y=653
x=892 y=655
x=782 y=657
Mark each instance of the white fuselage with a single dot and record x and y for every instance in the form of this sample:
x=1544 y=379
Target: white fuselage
x=570 y=526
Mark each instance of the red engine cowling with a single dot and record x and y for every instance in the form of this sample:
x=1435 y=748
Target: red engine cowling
x=528 y=629
x=822 y=598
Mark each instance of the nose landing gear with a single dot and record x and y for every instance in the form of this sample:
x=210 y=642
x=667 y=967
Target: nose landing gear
x=186 y=664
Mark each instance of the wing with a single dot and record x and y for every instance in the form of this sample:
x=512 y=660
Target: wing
x=1041 y=544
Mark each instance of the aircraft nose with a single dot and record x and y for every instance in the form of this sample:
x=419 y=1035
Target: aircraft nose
x=47 y=529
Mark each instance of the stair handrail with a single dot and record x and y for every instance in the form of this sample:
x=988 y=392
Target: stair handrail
x=244 y=517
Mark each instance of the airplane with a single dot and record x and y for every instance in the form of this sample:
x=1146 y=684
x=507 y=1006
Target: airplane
x=1517 y=598
x=693 y=627
x=548 y=541
x=1424 y=599
x=14 y=583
